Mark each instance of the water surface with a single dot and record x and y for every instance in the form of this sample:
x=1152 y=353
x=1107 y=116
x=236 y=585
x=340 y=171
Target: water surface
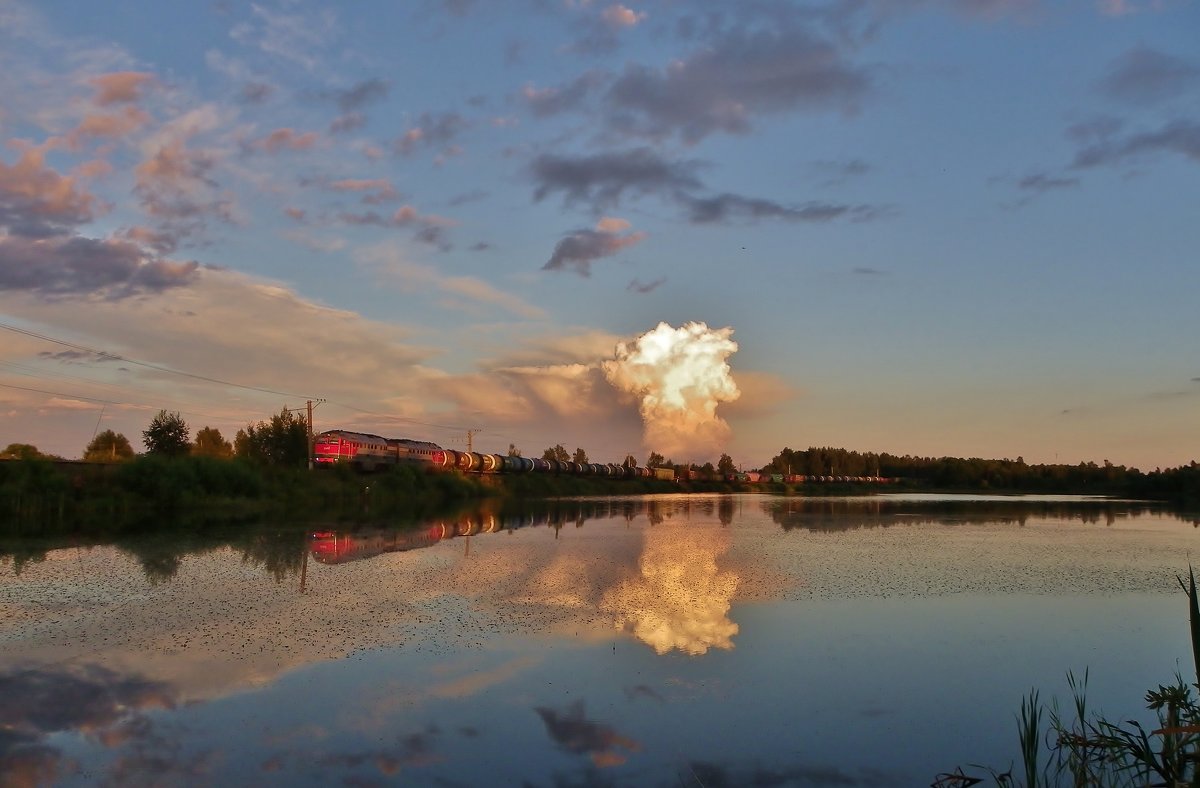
x=676 y=640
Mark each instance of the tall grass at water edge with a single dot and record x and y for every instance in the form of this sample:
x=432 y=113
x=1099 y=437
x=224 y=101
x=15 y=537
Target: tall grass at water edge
x=1084 y=749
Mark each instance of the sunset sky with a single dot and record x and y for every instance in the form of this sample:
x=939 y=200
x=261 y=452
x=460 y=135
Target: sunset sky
x=934 y=227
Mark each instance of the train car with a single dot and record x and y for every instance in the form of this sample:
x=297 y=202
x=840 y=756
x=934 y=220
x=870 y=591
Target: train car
x=666 y=474
x=411 y=452
x=360 y=450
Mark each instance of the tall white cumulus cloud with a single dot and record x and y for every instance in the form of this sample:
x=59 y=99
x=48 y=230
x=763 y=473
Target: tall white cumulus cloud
x=680 y=376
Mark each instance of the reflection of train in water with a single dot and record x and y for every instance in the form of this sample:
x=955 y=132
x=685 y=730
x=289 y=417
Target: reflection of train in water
x=371 y=453
x=339 y=546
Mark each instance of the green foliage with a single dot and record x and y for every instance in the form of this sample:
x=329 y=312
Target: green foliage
x=167 y=435
x=31 y=489
x=580 y=456
x=1193 y=617
x=108 y=446
x=725 y=465
x=20 y=451
x=557 y=453
x=513 y=451
x=281 y=442
x=655 y=460
x=210 y=442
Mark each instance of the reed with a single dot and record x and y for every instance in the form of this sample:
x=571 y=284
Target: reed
x=1090 y=750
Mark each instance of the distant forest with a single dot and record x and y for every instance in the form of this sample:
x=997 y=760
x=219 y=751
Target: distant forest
x=954 y=473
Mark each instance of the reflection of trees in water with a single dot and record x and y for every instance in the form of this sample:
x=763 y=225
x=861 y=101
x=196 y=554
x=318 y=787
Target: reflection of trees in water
x=558 y=513
x=840 y=514
x=280 y=552
x=679 y=599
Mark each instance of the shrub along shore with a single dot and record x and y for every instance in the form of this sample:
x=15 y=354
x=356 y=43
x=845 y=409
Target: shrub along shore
x=42 y=496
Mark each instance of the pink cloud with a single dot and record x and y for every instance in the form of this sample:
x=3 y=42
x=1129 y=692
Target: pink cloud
x=287 y=139
x=35 y=198
x=374 y=190
x=110 y=125
x=618 y=15
x=121 y=87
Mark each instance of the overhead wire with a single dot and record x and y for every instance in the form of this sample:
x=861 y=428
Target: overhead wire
x=103 y=354
x=115 y=357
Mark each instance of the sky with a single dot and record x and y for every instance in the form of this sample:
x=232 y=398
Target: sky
x=929 y=227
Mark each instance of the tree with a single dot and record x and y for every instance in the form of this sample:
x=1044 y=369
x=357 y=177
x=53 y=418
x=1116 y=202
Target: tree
x=20 y=451
x=630 y=461
x=655 y=460
x=513 y=451
x=167 y=435
x=580 y=456
x=725 y=465
x=211 y=443
x=557 y=453
x=282 y=441
x=108 y=446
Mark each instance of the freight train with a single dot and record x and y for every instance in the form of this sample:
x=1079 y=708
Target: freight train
x=366 y=452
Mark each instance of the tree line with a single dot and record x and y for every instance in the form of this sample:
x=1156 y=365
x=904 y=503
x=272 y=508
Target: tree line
x=281 y=440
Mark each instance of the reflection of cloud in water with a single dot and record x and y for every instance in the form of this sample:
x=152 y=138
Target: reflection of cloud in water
x=575 y=733
x=679 y=599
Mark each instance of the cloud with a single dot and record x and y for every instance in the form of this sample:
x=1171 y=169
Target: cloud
x=256 y=92
x=287 y=139
x=833 y=173
x=604 y=179
x=78 y=266
x=724 y=208
x=1146 y=76
x=637 y=286
x=430 y=229
x=1042 y=182
x=1176 y=136
x=679 y=599
x=579 y=249
x=348 y=122
x=36 y=201
x=374 y=190
x=544 y=102
x=600 y=30
x=176 y=182
x=42 y=701
x=617 y=15
x=387 y=259
x=123 y=87
x=250 y=330
x=430 y=131
x=289 y=36
x=573 y=732
x=110 y=125
x=723 y=86
x=360 y=94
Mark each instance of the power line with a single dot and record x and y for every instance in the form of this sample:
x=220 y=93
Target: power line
x=103 y=354
x=61 y=394
x=106 y=401
x=114 y=357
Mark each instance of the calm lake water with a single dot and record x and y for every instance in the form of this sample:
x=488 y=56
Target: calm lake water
x=664 y=641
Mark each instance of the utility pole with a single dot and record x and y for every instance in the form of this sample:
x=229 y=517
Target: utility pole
x=310 y=405
x=471 y=439
x=310 y=443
